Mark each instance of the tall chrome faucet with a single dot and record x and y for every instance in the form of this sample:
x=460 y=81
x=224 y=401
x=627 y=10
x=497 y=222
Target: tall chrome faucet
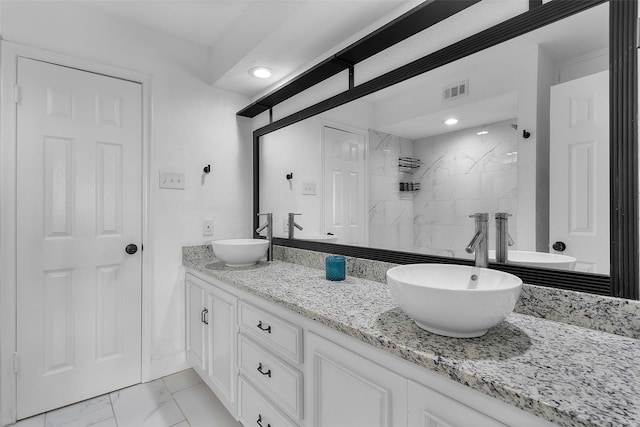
x=479 y=243
x=292 y=224
x=269 y=226
x=503 y=239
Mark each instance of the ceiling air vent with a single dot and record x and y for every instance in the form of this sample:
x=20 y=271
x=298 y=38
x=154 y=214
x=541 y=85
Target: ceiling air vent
x=455 y=91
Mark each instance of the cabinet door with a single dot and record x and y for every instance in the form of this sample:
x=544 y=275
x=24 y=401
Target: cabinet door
x=221 y=358
x=347 y=390
x=428 y=408
x=196 y=331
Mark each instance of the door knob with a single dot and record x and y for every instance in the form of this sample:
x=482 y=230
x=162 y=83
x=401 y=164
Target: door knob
x=559 y=246
x=131 y=249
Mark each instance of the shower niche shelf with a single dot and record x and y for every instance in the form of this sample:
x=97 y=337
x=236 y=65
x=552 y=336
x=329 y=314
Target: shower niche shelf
x=408 y=164
x=409 y=186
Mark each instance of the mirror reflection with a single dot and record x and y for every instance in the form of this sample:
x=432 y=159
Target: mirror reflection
x=521 y=128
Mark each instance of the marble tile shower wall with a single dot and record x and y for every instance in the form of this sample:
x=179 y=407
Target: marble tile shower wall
x=464 y=173
x=390 y=210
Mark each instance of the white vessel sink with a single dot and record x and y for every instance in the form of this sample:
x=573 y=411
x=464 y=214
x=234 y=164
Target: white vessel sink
x=538 y=259
x=240 y=252
x=326 y=238
x=454 y=300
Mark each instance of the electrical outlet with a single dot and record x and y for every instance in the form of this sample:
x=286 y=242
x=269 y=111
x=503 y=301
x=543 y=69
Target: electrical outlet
x=207 y=227
x=309 y=188
x=173 y=180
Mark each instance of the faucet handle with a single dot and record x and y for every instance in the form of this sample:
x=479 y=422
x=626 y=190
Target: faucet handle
x=503 y=215
x=483 y=216
x=265 y=214
x=291 y=213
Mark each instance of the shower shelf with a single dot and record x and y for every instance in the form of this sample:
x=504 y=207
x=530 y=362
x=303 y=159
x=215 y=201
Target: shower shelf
x=409 y=186
x=408 y=164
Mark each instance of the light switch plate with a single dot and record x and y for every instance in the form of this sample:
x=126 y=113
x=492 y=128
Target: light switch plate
x=173 y=180
x=309 y=188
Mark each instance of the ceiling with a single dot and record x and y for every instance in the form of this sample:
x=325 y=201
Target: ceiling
x=564 y=41
x=287 y=36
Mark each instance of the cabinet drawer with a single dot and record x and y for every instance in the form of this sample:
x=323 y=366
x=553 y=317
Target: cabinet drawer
x=255 y=410
x=277 y=380
x=278 y=335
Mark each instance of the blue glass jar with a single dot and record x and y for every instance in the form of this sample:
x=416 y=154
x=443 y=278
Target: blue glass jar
x=335 y=267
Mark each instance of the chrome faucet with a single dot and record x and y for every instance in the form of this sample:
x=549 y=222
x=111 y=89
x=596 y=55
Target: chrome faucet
x=503 y=239
x=479 y=243
x=292 y=224
x=269 y=226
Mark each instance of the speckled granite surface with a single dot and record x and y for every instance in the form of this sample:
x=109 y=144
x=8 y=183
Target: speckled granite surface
x=566 y=374
x=613 y=315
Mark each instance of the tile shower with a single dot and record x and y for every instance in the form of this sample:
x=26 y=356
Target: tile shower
x=459 y=173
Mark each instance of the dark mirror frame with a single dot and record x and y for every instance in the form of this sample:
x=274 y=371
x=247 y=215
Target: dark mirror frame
x=623 y=114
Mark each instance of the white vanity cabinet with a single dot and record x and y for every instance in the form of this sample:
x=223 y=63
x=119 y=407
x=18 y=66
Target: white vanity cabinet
x=256 y=410
x=196 y=331
x=270 y=354
x=212 y=338
x=428 y=408
x=345 y=389
x=272 y=367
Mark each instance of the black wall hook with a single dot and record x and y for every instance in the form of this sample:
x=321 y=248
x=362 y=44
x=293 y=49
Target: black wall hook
x=290 y=175
x=525 y=134
x=207 y=169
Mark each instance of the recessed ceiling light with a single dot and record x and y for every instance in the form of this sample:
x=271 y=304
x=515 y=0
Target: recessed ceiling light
x=482 y=132
x=261 y=72
x=451 y=121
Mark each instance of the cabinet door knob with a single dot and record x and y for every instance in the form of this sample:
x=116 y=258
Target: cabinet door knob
x=260 y=421
x=262 y=328
x=268 y=373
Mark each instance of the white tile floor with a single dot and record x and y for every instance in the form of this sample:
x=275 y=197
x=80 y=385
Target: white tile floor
x=178 y=400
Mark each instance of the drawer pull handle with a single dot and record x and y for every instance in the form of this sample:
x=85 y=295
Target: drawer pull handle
x=268 y=373
x=204 y=316
x=260 y=421
x=262 y=328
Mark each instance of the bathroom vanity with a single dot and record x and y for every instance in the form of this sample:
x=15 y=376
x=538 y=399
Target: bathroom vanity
x=281 y=346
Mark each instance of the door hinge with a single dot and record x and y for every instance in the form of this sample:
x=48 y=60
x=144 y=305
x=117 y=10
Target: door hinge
x=16 y=362
x=17 y=94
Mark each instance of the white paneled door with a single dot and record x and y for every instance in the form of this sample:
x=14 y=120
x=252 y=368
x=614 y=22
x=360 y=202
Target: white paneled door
x=344 y=185
x=579 y=171
x=79 y=206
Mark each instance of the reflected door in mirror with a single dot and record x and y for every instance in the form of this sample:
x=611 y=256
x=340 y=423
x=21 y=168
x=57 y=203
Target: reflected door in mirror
x=344 y=185
x=579 y=190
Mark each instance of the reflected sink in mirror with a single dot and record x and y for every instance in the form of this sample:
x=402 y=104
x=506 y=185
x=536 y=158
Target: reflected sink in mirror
x=538 y=259
x=454 y=300
x=240 y=252
x=326 y=238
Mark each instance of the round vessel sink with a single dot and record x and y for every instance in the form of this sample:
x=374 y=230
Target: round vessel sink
x=240 y=252
x=538 y=259
x=326 y=238
x=454 y=300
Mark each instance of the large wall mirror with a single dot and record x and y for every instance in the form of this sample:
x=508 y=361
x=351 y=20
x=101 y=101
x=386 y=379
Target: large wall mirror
x=522 y=127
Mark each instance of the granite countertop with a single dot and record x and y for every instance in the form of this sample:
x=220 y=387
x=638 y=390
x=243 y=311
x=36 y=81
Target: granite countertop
x=569 y=375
